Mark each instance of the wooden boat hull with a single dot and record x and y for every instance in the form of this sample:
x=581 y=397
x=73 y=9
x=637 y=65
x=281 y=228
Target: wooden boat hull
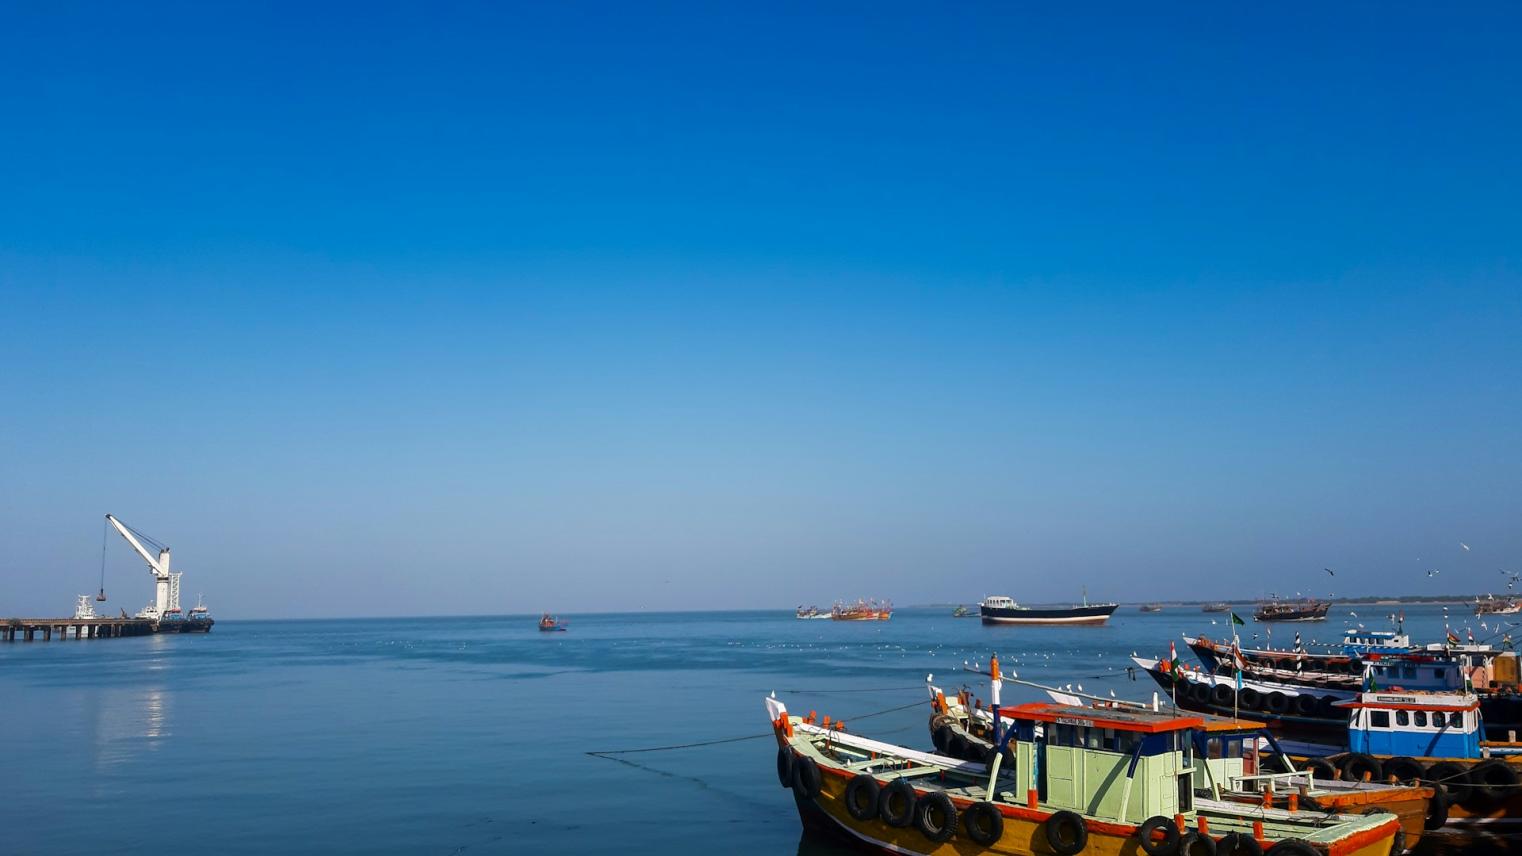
x=1075 y=615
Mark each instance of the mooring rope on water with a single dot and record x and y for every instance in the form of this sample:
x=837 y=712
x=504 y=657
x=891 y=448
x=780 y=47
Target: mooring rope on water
x=608 y=753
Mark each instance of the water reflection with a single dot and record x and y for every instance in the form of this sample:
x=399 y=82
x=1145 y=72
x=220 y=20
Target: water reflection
x=127 y=724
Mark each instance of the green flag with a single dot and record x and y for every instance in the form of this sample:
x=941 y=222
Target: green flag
x=1236 y=619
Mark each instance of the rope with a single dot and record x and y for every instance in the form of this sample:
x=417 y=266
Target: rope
x=608 y=753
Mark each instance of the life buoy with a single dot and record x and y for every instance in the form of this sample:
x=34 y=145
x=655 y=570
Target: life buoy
x=1354 y=765
x=1249 y=698
x=1450 y=778
x=862 y=793
x=1220 y=695
x=1194 y=844
x=1437 y=810
x=895 y=805
x=1147 y=834
x=983 y=823
x=1403 y=769
x=1276 y=702
x=1490 y=782
x=1238 y=844
x=1066 y=833
x=935 y=816
x=806 y=778
x=1292 y=847
x=785 y=767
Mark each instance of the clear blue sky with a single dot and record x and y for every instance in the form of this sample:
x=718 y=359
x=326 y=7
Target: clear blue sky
x=390 y=309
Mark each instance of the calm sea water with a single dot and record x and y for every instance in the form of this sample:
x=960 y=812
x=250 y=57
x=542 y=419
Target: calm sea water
x=470 y=735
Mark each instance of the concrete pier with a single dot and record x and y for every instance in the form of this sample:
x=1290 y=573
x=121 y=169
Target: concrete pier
x=31 y=629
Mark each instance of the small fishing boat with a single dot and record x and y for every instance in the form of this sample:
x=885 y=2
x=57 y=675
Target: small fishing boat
x=1151 y=607
x=1110 y=783
x=810 y=613
x=550 y=624
x=1292 y=610
x=963 y=612
x=1436 y=738
x=1227 y=765
x=862 y=610
x=1003 y=610
x=1492 y=605
x=1219 y=606
x=199 y=619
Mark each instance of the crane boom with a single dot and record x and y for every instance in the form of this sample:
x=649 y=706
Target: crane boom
x=166 y=596
x=159 y=566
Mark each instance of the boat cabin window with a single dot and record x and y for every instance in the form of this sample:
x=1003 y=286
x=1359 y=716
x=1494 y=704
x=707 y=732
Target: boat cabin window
x=1379 y=719
x=1402 y=718
x=1437 y=673
x=1456 y=719
x=1419 y=718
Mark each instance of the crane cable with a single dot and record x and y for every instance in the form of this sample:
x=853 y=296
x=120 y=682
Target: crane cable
x=105 y=533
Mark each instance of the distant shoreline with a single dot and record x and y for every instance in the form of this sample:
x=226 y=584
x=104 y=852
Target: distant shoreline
x=1408 y=600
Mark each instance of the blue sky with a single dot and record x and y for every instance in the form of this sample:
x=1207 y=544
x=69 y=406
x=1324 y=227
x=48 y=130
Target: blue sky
x=386 y=309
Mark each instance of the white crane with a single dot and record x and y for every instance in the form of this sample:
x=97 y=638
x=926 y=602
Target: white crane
x=166 y=597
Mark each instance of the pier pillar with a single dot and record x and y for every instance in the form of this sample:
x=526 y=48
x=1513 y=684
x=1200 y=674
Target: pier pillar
x=47 y=633
x=30 y=633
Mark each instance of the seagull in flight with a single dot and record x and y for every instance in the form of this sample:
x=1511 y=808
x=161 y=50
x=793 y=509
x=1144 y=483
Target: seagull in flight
x=1465 y=546
x=1330 y=571
x=1432 y=572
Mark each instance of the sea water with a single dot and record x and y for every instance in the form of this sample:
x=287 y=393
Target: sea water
x=472 y=735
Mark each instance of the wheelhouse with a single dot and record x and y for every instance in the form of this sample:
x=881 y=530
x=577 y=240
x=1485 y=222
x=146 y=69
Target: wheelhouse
x=1423 y=673
x=1127 y=765
x=1375 y=642
x=999 y=602
x=1422 y=725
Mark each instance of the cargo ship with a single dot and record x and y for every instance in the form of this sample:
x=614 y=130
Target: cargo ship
x=998 y=609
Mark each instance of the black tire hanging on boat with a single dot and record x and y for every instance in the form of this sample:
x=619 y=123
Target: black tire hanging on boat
x=1194 y=844
x=1292 y=847
x=807 y=780
x=785 y=767
x=956 y=745
x=926 y=810
x=1491 y=781
x=941 y=737
x=1326 y=707
x=861 y=796
x=1249 y=698
x=1220 y=695
x=1153 y=825
x=1403 y=769
x=983 y=823
x=1238 y=844
x=1305 y=704
x=1450 y=778
x=1355 y=764
x=1437 y=810
x=1066 y=833
x=1276 y=702
x=1005 y=766
x=1198 y=693
x=895 y=805
x=1321 y=768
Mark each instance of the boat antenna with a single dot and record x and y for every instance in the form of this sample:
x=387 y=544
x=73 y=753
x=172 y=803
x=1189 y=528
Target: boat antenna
x=104 y=532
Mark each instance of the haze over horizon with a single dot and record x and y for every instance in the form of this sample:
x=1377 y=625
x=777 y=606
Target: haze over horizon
x=465 y=310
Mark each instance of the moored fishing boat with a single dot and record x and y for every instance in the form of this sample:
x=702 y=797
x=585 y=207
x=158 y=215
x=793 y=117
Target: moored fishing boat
x=1151 y=607
x=1003 y=610
x=1219 y=606
x=1226 y=766
x=550 y=624
x=1436 y=738
x=963 y=612
x=1101 y=782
